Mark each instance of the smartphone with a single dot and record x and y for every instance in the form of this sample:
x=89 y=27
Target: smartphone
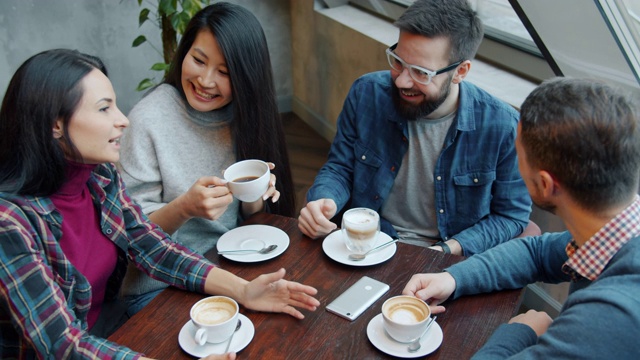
x=357 y=298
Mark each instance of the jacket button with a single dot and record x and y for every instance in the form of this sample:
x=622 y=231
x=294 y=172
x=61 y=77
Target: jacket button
x=363 y=157
x=438 y=178
x=475 y=180
x=109 y=231
x=441 y=211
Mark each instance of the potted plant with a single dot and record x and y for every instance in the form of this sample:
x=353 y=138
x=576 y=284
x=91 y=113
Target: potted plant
x=171 y=17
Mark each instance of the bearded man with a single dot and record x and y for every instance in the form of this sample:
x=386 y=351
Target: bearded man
x=434 y=155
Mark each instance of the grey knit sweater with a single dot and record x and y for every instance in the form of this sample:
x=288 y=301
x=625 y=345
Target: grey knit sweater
x=166 y=148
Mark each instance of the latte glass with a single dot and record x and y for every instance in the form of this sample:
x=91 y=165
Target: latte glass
x=360 y=229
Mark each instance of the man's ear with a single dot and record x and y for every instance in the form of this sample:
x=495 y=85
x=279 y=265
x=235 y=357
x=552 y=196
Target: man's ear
x=461 y=72
x=58 y=129
x=548 y=185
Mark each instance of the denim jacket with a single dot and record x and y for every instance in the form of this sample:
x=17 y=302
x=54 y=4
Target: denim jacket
x=481 y=198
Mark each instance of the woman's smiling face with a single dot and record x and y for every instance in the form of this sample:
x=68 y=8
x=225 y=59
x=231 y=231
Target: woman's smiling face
x=205 y=77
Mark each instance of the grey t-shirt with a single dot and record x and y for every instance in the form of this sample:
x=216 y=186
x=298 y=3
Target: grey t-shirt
x=411 y=204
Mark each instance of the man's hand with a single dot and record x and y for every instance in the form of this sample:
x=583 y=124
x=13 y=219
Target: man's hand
x=432 y=288
x=314 y=220
x=539 y=321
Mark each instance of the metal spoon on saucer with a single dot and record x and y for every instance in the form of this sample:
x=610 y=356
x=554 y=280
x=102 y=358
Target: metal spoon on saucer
x=359 y=257
x=415 y=345
x=226 y=349
x=264 y=250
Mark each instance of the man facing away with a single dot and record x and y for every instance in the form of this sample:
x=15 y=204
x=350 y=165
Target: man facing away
x=432 y=154
x=579 y=154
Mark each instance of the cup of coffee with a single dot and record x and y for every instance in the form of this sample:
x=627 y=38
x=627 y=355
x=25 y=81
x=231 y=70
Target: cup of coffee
x=248 y=180
x=215 y=318
x=405 y=318
x=360 y=229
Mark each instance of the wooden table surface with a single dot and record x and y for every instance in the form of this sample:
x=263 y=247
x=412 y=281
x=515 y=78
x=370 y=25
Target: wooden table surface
x=467 y=323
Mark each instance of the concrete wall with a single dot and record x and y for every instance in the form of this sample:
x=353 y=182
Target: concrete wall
x=329 y=56
x=106 y=28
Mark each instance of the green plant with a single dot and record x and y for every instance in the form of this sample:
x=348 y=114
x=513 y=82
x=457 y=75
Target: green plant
x=171 y=17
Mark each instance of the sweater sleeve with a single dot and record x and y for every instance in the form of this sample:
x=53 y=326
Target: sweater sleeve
x=513 y=265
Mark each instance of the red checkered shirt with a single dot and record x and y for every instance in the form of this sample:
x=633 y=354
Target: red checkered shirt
x=589 y=260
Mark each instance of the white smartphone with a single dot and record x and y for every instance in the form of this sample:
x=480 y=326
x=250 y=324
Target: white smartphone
x=357 y=298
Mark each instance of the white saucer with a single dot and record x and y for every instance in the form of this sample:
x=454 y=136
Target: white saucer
x=334 y=247
x=253 y=237
x=240 y=340
x=428 y=344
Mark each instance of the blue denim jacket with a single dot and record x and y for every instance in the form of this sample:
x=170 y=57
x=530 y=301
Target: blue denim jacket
x=481 y=199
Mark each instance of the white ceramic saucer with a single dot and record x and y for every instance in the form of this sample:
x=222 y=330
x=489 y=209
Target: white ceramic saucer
x=428 y=344
x=253 y=237
x=240 y=340
x=333 y=245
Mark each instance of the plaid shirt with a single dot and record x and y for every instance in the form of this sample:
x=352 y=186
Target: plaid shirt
x=45 y=300
x=589 y=260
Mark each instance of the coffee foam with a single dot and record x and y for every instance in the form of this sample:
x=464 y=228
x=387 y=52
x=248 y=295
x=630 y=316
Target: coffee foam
x=406 y=313
x=361 y=224
x=214 y=312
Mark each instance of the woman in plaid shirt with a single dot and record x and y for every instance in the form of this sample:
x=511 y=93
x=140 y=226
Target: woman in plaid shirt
x=68 y=227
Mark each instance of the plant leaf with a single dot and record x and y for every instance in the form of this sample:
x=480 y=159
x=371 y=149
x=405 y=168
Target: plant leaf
x=145 y=84
x=160 y=67
x=139 y=40
x=179 y=22
x=167 y=7
x=139 y=2
x=144 y=16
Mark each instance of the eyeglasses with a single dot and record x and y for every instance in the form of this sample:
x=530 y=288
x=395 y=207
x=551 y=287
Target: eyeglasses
x=419 y=74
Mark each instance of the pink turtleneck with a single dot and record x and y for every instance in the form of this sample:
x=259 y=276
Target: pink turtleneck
x=83 y=243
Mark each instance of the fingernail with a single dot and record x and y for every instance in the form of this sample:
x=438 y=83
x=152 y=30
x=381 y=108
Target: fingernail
x=265 y=197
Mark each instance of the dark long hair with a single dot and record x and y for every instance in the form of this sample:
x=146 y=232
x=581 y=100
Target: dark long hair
x=257 y=127
x=45 y=88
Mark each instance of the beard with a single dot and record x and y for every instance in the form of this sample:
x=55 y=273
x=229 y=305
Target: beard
x=427 y=106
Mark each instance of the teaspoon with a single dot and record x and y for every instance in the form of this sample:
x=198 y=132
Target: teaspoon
x=415 y=345
x=231 y=337
x=358 y=257
x=264 y=250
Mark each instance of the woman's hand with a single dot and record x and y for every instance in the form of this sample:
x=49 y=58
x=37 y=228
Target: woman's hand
x=271 y=293
x=208 y=198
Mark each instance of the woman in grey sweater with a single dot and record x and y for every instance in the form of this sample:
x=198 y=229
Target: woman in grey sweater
x=217 y=105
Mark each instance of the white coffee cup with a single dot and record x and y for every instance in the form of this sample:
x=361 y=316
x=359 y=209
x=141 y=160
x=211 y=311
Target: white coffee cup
x=215 y=318
x=360 y=229
x=248 y=180
x=405 y=318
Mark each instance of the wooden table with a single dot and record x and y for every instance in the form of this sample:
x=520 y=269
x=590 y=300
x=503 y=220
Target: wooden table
x=467 y=323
